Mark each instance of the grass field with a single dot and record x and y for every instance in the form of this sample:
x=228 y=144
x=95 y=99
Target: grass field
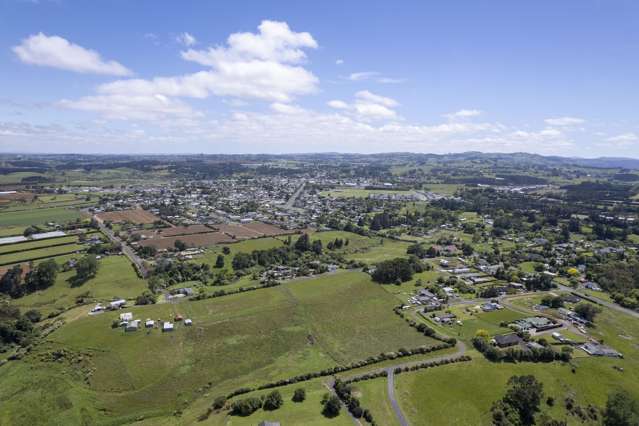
x=462 y=393
x=373 y=395
x=31 y=245
x=115 y=278
x=244 y=339
x=39 y=253
x=38 y=216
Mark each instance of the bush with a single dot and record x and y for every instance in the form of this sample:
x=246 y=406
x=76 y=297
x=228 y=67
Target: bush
x=299 y=395
x=273 y=401
x=219 y=402
x=246 y=407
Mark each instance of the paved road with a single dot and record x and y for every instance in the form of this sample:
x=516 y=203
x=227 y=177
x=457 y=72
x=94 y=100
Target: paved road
x=602 y=302
x=128 y=251
x=291 y=201
x=461 y=350
x=391 y=395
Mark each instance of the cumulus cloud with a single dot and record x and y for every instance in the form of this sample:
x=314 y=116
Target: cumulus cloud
x=463 y=113
x=624 y=138
x=131 y=107
x=264 y=65
x=564 y=121
x=339 y=62
x=57 y=52
x=186 y=39
x=373 y=75
x=368 y=105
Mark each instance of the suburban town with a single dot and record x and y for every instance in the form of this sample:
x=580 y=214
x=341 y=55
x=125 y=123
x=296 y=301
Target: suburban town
x=285 y=213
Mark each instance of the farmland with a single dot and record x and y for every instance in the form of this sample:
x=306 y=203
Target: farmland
x=301 y=337
x=115 y=278
x=137 y=216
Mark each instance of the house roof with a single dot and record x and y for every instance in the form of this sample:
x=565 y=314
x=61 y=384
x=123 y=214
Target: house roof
x=507 y=339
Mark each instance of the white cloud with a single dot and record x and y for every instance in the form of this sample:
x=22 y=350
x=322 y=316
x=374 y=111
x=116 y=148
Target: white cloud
x=368 y=105
x=261 y=66
x=366 y=96
x=126 y=107
x=339 y=62
x=463 y=113
x=364 y=75
x=375 y=76
x=564 y=121
x=337 y=104
x=57 y=52
x=286 y=108
x=624 y=138
x=186 y=39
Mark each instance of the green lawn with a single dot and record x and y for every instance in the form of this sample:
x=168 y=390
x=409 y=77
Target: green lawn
x=373 y=395
x=115 y=278
x=238 y=340
x=30 y=245
x=39 y=253
x=38 y=216
x=461 y=394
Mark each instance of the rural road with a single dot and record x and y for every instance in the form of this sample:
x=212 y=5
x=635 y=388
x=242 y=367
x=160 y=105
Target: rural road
x=391 y=395
x=128 y=251
x=461 y=350
x=601 y=302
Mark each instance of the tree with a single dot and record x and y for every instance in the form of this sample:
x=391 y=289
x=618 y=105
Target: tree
x=86 y=268
x=524 y=395
x=299 y=395
x=587 y=311
x=332 y=407
x=303 y=243
x=621 y=410
x=219 y=262
x=226 y=250
x=316 y=246
x=179 y=245
x=11 y=281
x=242 y=260
x=29 y=231
x=273 y=401
x=146 y=298
x=33 y=315
x=42 y=276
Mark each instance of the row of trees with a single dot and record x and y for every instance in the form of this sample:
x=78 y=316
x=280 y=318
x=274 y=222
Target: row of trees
x=15 y=283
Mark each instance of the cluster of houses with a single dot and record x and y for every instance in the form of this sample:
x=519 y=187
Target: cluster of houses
x=129 y=324
x=111 y=306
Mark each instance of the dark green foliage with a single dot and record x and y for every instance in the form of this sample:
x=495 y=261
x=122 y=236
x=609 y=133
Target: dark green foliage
x=521 y=402
x=621 y=410
x=299 y=395
x=14 y=328
x=242 y=260
x=86 y=268
x=246 y=407
x=273 y=401
x=146 y=298
x=219 y=262
x=219 y=402
x=587 y=311
x=332 y=407
x=303 y=243
x=390 y=271
x=179 y=245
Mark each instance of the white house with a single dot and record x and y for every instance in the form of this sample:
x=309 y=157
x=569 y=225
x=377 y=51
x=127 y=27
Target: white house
x=127 y=316
x=167 y=326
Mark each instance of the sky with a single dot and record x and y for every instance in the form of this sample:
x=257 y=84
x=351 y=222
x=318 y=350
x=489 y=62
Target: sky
x=123 y=76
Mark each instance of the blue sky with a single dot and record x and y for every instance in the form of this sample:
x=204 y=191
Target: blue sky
x=552 y=77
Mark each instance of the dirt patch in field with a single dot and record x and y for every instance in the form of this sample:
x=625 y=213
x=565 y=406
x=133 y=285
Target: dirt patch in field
x=205 y=236
x=136 y=216
x=17 y=196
